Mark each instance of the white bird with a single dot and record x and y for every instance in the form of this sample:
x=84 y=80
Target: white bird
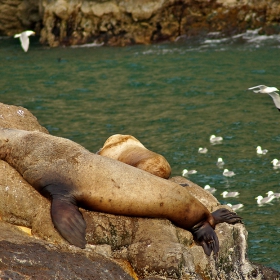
x=270 y=193
x=276 y=163
x=202 y=150
x=260 y=151
x=229 y=194
x=215 y=139
x=209 y=189
x=220 y=163
x=261 y=200
x=24 y=38
x=236 y=206
x=270 y=91
x=228 y=173
x=186 y=172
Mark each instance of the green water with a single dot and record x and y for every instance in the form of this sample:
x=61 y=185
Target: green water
x=171 y=97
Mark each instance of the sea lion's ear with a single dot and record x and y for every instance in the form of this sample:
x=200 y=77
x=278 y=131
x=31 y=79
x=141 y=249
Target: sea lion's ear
x=68 y=220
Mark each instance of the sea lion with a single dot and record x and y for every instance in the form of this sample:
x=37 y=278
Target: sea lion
x=130 y=150
x=71 y=177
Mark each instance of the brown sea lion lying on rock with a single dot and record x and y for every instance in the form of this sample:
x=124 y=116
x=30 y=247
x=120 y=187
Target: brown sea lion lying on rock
x=129 y=150
x=72 y=177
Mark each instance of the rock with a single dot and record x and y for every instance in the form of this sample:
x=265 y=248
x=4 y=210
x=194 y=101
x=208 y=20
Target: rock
x=119 y=22
x=24 y=257
x=118 y=247
x=19 y=118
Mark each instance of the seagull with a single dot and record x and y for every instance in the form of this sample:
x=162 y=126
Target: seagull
x=209 y=189
x=202 y=150
x=24 y=38
x=220 y=163
x=236 y=206
x=276 y=163
x=228 y=173
x=229 y=194
x=260 y=151
x=186 y=172
x=261 y=200
x=215 y=139
x=270 y=193
x=270 y=91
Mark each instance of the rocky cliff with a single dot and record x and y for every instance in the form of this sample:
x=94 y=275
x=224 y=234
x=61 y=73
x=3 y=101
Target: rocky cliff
x=124 y=22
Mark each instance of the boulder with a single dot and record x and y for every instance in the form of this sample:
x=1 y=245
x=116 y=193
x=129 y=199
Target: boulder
x=117 y=247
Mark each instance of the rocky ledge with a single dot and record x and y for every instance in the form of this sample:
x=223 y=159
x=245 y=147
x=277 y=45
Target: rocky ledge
x=120 y=23
x=118 y=247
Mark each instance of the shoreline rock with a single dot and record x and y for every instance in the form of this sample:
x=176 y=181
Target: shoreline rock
x=118 y=247
x=121 y=23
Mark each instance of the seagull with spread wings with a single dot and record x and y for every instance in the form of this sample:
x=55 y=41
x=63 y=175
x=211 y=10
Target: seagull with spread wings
x=269 y=90
x=24 y=38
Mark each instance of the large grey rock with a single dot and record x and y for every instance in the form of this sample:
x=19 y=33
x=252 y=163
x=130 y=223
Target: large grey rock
x=24 y=257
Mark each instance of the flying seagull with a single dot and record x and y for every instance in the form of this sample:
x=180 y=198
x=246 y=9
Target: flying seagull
x=269 y=90
x=24 y=38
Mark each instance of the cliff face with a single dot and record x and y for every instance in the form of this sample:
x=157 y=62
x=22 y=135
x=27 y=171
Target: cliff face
x=123 y=22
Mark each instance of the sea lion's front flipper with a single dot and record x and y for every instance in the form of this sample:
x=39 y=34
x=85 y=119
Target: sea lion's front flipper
x=205 y=235
x=69 y=221
x=65 y=213
x=224 y=215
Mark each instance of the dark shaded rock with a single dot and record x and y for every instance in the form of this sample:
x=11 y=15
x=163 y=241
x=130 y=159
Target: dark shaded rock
x=24 y=257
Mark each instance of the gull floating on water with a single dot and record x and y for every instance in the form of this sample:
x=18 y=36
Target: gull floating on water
x=186 y=172
x=275 y=162
x=260 y=151
x=24 y=38
x=209 y=189
x=215 y=139
x=269 y=90
x=261 y=200
x=220 y=162
x=270 y=193
x=202 y=150
x=229 y=194
x=228 y=173
x=236 y=206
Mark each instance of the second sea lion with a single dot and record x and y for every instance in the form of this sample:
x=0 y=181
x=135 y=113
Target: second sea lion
x=130 y=150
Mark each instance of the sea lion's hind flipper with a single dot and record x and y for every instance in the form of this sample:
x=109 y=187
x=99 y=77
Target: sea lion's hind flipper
x=205 y=235
x=224 y=215
x=69 y=221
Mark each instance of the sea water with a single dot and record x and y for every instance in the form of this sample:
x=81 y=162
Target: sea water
x=171 y=97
